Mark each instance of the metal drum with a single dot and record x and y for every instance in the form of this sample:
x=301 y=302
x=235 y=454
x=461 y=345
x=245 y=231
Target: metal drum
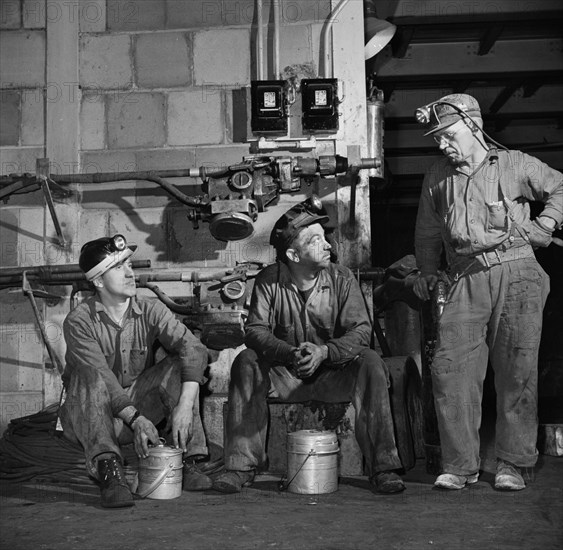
x=312 y=462
x=160 y=474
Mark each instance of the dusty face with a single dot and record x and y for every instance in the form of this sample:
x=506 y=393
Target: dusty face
x=457 y=142
x=310 y=248
x=118 y=282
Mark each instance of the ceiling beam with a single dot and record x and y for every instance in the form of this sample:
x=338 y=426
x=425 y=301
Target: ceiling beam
x=489 y=38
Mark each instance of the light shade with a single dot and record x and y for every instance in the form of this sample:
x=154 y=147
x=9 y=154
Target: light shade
x=377 y=34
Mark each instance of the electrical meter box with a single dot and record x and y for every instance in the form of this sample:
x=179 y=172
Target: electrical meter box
x=269 y=101
x=319 y=99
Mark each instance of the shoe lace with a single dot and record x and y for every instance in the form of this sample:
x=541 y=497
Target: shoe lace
x=113 y=469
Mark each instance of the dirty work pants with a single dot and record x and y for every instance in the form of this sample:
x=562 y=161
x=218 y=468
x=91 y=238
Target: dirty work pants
x=363 y=381
x=87 y=418
x=495 y=313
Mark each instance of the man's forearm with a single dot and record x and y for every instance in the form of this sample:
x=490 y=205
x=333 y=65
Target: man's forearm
x=188 y=394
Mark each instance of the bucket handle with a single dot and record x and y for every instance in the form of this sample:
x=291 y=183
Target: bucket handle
x=157 y=482
x=282 y=486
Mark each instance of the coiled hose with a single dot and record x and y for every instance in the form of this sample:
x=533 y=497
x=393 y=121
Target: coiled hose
x=30 y=447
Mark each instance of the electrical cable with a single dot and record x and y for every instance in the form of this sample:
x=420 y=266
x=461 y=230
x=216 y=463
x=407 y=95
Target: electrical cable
x=30 y=447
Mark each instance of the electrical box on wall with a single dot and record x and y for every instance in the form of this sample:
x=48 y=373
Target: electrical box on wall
x=319 y=97
x=269 y=101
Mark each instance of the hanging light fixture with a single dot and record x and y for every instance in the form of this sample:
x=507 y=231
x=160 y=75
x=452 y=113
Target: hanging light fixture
x=377 y=32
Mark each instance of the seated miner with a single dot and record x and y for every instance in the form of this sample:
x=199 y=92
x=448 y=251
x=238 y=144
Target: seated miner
x=307 y=337
x=115 y=393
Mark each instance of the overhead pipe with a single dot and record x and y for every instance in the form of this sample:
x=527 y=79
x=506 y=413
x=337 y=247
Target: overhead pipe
x=260 y=39
x=276 y=39
x=325 y=36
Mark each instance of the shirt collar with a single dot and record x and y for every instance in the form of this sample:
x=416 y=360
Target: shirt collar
x=98 y=306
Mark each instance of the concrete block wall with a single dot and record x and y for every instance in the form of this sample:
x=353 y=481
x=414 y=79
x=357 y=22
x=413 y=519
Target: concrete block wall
x=154 y=89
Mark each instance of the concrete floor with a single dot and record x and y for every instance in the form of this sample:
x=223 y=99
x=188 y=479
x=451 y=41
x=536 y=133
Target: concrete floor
x=55 y=516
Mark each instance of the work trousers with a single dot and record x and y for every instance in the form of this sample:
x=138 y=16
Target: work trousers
x=494 y=314
x=363 y=381
x=87 y=418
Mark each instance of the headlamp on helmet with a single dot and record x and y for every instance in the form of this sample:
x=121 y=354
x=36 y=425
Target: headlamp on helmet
x=100 y=255
x=301 y=215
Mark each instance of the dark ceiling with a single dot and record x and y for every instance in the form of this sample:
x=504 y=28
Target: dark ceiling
x=511 y=61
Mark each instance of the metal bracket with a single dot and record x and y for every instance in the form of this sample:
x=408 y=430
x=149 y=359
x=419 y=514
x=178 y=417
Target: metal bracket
x=30 y=293
x=42 y=170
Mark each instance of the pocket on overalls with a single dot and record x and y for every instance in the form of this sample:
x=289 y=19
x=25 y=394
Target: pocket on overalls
x=497 y=215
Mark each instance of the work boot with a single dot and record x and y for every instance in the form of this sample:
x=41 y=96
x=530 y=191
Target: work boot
x=387 y=482
x=113 y=485
x=194 y=479
x=453 y=481
x=232 y=481
x=508 y=477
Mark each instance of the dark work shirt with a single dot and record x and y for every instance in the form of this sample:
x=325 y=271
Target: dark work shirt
x=334 y=313
x=121 y=353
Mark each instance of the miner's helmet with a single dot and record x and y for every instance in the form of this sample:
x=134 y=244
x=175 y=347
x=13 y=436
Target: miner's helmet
x=96 y=257
x=298 y=217
x=445 y=112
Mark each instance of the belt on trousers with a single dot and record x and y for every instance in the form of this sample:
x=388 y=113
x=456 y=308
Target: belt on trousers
x=489 y=258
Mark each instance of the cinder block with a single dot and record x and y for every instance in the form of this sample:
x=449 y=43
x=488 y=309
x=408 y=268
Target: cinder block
x=18 y=404
x=10 y=14
x=135 y=120
x=92 y=122
x=105 y=62
x=9 y=118
x=162 y=60
x=9 y=252
x=124 y=15
x=9 y=373
x=229 y=68
x=30 y=236
x=17 y=161
x=165 y=159
x=297 y=46
x=107 y=161
x=93 y=16
x=93 y=225
x=199 y=14
x=194 y=118
x=33 y=118
x=22 y=59
x=35 y=13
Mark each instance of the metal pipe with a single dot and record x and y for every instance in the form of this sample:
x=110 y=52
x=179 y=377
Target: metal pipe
x=260 y=39
x=325 y=34
x=276 y=47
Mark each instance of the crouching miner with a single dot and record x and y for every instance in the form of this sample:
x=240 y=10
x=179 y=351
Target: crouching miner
x=115 y=393
x=307 y=338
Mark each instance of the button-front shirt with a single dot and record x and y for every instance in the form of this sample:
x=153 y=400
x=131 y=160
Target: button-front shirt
x=471 y=213
x=123 y=352
x=334 y=313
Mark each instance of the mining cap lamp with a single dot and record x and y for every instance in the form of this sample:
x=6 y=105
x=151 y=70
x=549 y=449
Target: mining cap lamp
x=301 y=215
x=100 y=255
x=445 y=112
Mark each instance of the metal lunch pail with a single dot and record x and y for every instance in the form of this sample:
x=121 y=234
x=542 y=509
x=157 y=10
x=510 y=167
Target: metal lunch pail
x=160 y=474
x=312 y=462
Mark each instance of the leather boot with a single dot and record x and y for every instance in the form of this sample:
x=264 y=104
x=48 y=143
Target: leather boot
x=113 y=485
